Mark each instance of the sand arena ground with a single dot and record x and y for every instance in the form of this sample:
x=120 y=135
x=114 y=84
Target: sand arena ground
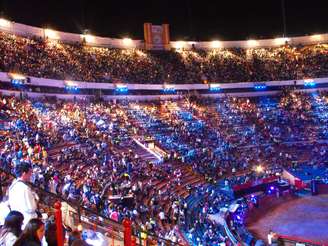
x=305 y=217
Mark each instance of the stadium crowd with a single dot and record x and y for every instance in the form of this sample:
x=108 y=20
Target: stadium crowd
x=48 y=58
x=211 y=146
x=87 y=153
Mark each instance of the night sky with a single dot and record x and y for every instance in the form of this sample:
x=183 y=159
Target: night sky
x=188 y=19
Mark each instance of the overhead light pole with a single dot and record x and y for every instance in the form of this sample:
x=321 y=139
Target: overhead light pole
x=283 y=13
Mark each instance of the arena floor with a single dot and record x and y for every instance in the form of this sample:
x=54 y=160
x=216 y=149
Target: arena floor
x=305 y=217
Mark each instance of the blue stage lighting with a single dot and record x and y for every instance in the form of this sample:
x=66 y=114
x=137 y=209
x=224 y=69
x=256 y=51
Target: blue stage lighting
x=71 y=89
x=260 y=86
x=214 y=87
x=17 y=81
x=309 y=83
x=122 y=90
x=169 y=90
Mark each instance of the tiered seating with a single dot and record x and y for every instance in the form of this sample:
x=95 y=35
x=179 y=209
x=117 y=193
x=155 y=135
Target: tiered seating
x=56 y=60
x=207 y=141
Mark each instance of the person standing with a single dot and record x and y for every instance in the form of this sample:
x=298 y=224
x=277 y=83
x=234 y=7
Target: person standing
x=20 y=196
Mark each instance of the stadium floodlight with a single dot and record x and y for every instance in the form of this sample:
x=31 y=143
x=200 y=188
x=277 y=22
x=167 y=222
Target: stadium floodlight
x=88 y=38
x=281 y=41
x=259 y=169
x=4 y=23
x=17 y=76
x=316 y=37
x=127 y=41
x=49 y=33
x=309 y=83
x=216 y=44
x=121 y=88
x=252 y=43
x=215 y=87
x=17 y=79
x=71 y=86
x=70 y=83
x=169 y=89
x=120 y=85
x=180 y=45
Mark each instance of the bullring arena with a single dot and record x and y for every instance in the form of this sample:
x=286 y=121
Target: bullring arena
x=304 y=217
x=150 y=141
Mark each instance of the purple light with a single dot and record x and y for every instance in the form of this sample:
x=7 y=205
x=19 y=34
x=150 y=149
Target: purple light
x=272 y=188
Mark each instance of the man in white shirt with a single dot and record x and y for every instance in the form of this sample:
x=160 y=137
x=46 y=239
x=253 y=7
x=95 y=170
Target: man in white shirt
x=161 y=216
x=272 y=238
x=20 y=196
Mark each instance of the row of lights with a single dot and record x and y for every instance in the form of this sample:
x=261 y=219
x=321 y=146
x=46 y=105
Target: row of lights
x=260 y=86
x=71 y=87
x=167 y=88
x=216 y=44
x=49 y=33
x=309 y=83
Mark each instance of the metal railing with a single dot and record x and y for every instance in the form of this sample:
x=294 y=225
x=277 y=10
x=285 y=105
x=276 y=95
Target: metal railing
x=296 y=241
x=76 y=217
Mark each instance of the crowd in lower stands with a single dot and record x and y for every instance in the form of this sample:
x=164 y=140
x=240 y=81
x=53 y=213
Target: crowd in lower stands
x=48 y=58
x=88 y=154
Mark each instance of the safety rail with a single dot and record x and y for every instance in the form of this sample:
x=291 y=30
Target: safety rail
x=75 y=216
x=293 y=241
x=232 y=238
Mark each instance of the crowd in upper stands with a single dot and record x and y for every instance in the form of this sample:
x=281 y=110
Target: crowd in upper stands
x=85 y=152
x=53 y=59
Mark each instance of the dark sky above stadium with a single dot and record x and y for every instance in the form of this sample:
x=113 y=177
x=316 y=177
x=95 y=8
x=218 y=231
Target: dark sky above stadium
x=188 y=19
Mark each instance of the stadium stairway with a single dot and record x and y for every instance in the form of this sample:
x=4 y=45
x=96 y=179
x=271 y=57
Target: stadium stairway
x=143 y=153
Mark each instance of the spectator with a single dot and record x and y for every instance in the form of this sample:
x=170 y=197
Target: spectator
x=57 y=60
x=79 y=242
x=32 y=234
x=21 y=197
x=207 y=140
x=74 y=236
x=11 y=230
x=50 y=233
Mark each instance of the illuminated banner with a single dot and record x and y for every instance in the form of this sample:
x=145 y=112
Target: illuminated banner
x=156 y=36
